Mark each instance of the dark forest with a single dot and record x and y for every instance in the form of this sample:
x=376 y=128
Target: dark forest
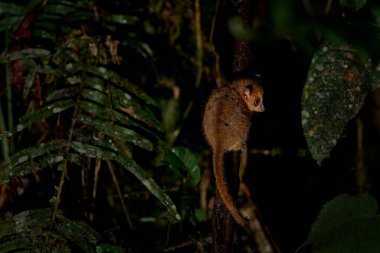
x=102 y=146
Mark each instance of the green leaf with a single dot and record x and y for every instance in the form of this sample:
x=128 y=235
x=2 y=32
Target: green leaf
x=68 y=92
x=10 y=22
x=115 y=78
x=11 y=9
x=28 y=53
x=346 y=224
x=150 y=184
x=107 y=114
x=29 y=81
x=80 y=16
x=46 y=30
x=30 y=231
x=21 y=163
x=60 y=7
x=92 y=151
x=201 y=214
x=109 y=248
x=132 y=167
x=122 y=102
x=44 y=113
x=95 y=96
x=353 y=4
x=127 y=104
x=140 y=46
x=77 y=232
x=117 y=132
x=283 y=16
x=122 y=19
x=337 y=84
x=239 y=30
x=189 y=162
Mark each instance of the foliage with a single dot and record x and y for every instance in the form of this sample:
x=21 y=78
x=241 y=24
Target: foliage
x=29 y=232
x=79 y=111
x=343 y=69
x=345 y=224
x=96 y=91
x=337 y=84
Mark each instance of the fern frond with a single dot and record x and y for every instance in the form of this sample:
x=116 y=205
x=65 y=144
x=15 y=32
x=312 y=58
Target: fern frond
x=30 y=231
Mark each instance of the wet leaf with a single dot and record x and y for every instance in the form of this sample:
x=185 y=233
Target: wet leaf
x=10 y=22
x=346 y=224
x=133 y=168
x=21 y=163
x=184 y=161
x=150 y=184
x=337 y=84
x=107 y=114
x=143 y=48
x=30 y=231
x=27 y=53
x=68 y=92
x=46 y=30
x=95 y=96
x=115 y=78
x=127 y=104
x=29 y=81
x=190 y=161
x=109 y=248
x=31 y=166
x=117 y=132
x=122 y=102
x=77 y=232
x=96 y=83
x=353 y=4
x=122 y=19
x=92 y=151
x=44 y=112
x=80 y=16
x=11 y=9
x=60 y=7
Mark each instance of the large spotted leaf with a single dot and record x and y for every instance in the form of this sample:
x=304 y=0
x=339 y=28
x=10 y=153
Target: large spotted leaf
x=337 y=83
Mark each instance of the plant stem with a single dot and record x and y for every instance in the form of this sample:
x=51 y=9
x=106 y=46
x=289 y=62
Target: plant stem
x=199 y=44
x=64 y=163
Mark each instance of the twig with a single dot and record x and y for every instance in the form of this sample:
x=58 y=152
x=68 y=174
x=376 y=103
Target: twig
x=204 y=184
x=114 y=179
x=199 y=44
x=96 y=176
x=218 y=73
x=64 y=163
x=328 y=6
x=191 y=242
x=262 y=236
x=360 y=171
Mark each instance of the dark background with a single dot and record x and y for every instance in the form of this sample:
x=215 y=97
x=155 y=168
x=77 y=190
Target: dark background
x=287 y=185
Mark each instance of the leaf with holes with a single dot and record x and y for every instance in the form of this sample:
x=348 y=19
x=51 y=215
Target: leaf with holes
x=337 y=84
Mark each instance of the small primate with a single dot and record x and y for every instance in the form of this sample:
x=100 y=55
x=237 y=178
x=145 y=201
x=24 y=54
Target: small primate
x=226 y=123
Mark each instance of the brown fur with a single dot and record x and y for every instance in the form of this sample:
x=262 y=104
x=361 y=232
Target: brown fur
x=226 y=123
